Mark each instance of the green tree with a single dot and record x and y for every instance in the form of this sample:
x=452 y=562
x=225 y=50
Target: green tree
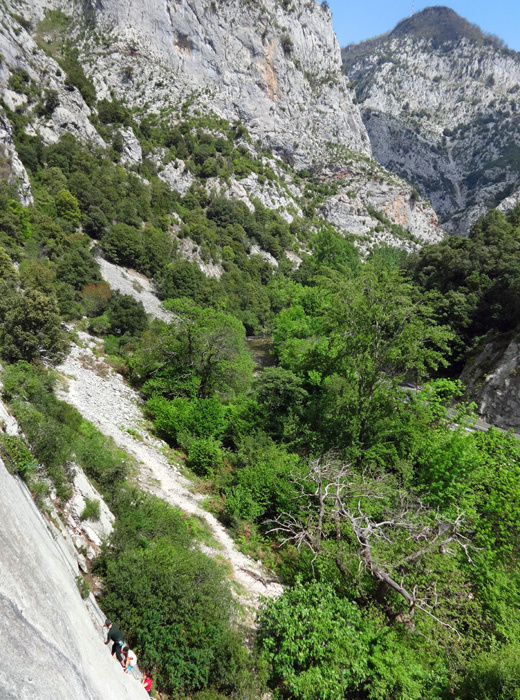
x=364 y=336
x=123 y=245
x=282 y=398
x=54 y=180
x=78 y=267
x=67 y=206
x=7 y=269
x=292 y=635
x=321 y=646
x=126 y=315
x=200 y=354
x=30 y=327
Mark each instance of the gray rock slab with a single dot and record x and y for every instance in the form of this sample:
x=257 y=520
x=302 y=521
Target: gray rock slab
x=51 y=648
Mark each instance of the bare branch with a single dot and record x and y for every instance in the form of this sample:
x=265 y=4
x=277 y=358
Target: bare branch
x=333 y=494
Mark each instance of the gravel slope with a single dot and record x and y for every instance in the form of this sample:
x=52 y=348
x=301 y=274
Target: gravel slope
x=102 y=397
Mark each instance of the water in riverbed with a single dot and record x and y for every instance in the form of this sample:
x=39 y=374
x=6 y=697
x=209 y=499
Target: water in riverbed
x=260 y=349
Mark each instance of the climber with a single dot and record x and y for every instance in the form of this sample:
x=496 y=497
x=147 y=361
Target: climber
x=116 y=636
x=130 y=659
x=148 y=684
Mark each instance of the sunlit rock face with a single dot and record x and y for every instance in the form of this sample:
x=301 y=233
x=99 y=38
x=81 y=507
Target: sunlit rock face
x=51 y=648
x=272 y=65
x=441 y=103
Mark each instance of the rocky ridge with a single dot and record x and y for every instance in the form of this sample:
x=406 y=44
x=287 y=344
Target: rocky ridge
x=441 y=104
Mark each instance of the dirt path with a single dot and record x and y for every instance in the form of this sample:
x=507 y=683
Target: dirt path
x=102 y=397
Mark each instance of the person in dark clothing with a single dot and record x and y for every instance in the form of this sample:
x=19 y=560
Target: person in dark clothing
x=116 y=636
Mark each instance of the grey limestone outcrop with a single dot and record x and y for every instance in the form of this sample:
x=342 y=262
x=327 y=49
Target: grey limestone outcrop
x=492 y=379
x=51 y=647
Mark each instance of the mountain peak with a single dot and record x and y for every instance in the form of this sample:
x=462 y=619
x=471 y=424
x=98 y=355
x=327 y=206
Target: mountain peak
x=440 y=24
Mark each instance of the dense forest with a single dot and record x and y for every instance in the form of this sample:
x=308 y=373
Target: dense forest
x=392 y=525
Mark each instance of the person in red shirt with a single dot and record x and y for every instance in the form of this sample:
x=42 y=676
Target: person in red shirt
x=148 y=684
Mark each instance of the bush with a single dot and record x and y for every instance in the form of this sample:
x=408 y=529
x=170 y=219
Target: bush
x=67 y=206
x=83 y=586
x=56 y=431
x=493 y=676
x=102 y=462
x=202 y=418
x=76 y=78
x=95 y=298
x=262 y=485
x=91 y=511
x=17 y=451
x=205 y=456
x=30 y=327
x=113 y=112
x=123 y=245
x=287 y=44
x=291 y=634
x=78 y=268
x=177 y=608
x=126 y=315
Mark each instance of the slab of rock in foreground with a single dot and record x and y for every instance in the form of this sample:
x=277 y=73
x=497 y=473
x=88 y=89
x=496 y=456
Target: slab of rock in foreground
x=51 y=649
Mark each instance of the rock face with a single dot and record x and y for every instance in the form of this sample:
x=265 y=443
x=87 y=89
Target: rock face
x=441 y=103
x=493 y=381
x=276 y=69
x=11 y=167
x=135 y=285
x=51 y=648
x=273 y=66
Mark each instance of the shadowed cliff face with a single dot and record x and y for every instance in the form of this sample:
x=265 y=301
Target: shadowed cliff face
x=51 y=649
x=441 y=104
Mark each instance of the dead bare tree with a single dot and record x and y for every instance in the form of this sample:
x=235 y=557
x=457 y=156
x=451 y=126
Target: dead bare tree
x=336 y=502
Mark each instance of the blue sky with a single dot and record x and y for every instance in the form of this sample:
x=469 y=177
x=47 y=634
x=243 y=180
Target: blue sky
x=356 y=20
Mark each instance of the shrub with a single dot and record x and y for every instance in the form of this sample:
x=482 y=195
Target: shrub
x=177 y=608
x=292 y=630
x=19 y=81
x=493 y=676
x=205 y=456
x=202 y=418
x=91 y=511
x=76 y=78
x=126 y=315
x=287 y=44
x=105 y=464
x=67 y=206
x=113 y=112
x=123 y=244
x=83 y=586
x=78 y=268
x=30 y=327
x=95 y=298
x=17 y=451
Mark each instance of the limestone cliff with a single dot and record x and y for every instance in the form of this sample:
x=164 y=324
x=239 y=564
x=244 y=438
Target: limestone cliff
x=273 y=66
x=51 y=648
x=441 y=104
